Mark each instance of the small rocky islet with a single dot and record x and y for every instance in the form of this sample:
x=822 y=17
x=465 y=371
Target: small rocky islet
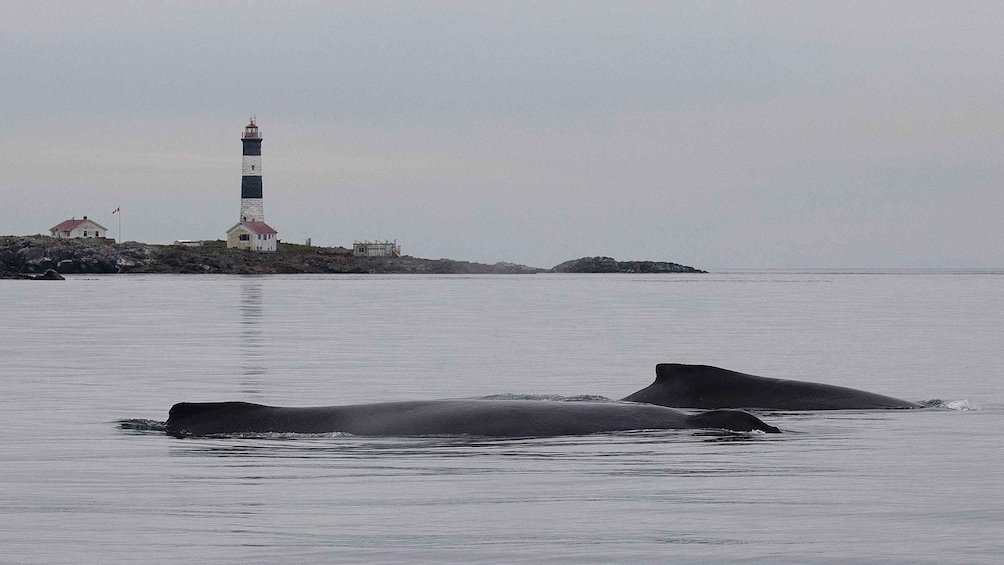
x=34 y=256
x=610 y=265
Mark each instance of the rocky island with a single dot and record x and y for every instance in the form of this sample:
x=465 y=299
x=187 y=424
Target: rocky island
x=28 y=256
x=611 y=265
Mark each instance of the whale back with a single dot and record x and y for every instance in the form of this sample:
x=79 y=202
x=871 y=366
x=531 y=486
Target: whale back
x=703 y=386
x=492 y=418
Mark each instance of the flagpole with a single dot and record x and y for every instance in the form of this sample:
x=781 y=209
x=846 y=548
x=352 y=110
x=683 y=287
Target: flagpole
x=118 y=210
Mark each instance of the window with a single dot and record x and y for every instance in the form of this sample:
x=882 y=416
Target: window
x=244 y=237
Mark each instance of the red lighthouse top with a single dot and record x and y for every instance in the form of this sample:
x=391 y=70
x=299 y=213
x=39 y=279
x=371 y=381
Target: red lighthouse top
x=251 y=130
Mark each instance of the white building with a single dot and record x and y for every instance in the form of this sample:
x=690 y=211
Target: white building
x=255 y=236
x=376 y=249
x=74 y=228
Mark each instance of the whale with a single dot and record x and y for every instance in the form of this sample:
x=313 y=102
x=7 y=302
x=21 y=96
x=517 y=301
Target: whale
x=702 y=386
x=476 y=417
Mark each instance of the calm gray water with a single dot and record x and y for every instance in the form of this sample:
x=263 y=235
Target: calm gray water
x=922 y=486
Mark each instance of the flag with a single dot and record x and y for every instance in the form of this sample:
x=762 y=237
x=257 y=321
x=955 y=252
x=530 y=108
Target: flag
x=116 y=210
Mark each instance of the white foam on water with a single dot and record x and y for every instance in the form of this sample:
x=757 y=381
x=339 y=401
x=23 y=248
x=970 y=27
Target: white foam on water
x=964 y=405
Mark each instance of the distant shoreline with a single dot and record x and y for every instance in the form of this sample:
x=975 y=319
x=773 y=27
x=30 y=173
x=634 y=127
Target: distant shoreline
x=31 y=255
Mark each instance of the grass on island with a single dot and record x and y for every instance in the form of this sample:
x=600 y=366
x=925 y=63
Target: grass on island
x=295 y=248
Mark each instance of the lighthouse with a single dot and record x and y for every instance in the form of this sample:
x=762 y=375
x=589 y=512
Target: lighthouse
x=252 y=232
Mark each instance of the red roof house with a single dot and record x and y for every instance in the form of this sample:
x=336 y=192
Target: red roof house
x=256 y=236
x=74 y=228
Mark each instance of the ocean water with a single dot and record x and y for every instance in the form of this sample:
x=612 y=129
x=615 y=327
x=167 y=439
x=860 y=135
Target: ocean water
x=917 y=486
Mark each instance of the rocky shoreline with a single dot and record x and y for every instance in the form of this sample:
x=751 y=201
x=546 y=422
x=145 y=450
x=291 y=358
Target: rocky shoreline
x=27 y=256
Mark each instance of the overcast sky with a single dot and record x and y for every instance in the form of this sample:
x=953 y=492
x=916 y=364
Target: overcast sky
x=714 y=134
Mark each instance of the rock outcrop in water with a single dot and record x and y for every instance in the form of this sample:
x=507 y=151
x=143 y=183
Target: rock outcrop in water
x=48 y=275
x=610 y=265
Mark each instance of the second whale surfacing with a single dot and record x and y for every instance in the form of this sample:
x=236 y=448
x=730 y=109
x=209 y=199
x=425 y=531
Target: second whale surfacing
x=702 y=386
x=490 y=418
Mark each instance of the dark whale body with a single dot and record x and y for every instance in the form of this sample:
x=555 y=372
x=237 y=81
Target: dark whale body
x=493 y=418
x=702 y=386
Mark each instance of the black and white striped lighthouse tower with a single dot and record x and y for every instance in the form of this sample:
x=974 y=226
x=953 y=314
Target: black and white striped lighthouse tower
x=252 y=233
x=252 y=207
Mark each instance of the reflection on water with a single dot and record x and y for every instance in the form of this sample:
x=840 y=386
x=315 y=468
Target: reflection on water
x=252 y=336
x=334 y=446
